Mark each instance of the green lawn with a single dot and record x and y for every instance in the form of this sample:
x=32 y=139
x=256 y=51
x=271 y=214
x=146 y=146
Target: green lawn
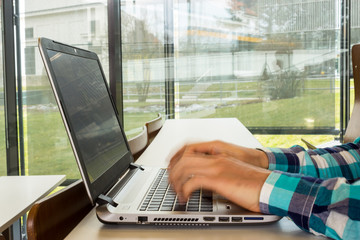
x=47 y=149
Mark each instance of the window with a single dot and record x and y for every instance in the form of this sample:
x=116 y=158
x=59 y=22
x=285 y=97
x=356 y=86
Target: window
x=93 y=27
x=274 y=65
x=46 y=145
x=143 y=62
x=29 y=33
x=30 y=60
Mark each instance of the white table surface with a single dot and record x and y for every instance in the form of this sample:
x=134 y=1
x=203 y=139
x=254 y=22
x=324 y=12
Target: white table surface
x=19 y=193
x=173 y=134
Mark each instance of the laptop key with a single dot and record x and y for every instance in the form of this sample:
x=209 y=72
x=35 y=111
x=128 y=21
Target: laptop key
x=153 y=209
x=161 y=197
x=166 y=208
x=180 y=207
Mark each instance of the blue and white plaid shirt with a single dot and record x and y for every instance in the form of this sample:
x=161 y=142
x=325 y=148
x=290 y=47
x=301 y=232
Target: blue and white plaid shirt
x=318 y=189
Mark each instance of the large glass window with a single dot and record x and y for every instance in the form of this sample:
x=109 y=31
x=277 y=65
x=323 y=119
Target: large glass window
x=82 y=23
x=274 y=65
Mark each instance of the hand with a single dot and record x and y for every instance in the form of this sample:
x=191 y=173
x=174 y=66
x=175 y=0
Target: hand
x=235 y=180
x=248 y=155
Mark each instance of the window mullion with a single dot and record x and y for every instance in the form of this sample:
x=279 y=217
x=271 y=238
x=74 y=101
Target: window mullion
x=169 y=59
x=13 y=167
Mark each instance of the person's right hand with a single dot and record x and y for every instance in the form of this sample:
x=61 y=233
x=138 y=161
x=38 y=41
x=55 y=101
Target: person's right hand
x=235 y=180
x=248 y=155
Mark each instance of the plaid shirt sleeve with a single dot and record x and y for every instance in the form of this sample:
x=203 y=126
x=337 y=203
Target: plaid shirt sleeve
x=318 y=189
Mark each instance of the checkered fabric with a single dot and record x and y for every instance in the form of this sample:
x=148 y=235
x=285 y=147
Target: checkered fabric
x=318 y=189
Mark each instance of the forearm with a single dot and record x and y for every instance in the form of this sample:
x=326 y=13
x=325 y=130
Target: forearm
x=327 y=207
x=339 y=161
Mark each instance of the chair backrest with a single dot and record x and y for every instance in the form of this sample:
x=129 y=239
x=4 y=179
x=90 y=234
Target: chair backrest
x=139 y=143
x=353 y=128
x=54 y=216
x=153 y=127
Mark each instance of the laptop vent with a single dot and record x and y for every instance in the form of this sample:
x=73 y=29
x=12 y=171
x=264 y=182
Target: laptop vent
x=192 y=220
x=182 y=224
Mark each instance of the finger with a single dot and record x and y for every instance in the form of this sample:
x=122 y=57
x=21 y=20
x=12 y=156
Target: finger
x=190 y=165
x=207 y=148
x=180 y=153
x=204 y=147
x=193 y=184
x=177 y=156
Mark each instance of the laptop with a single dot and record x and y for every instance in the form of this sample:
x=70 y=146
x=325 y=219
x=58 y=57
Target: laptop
x=123 y=192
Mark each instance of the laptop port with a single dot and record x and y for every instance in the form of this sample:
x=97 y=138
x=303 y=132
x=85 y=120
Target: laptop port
x=209 y=219
x=223 y=219
x=142 y=219
x=236 y=219
x=253 y=218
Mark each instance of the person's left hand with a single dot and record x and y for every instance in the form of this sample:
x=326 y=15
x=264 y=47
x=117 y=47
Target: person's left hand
x=235 y=180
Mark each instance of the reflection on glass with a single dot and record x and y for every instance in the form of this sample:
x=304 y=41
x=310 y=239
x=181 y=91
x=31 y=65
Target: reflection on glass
x=82 y=23
x=143 y=62
x=271 y=64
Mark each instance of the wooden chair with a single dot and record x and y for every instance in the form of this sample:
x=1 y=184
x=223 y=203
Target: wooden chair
x=353 y=128
x=139 y=143
x=153 y=127
x=5 y=234
x=53 y=217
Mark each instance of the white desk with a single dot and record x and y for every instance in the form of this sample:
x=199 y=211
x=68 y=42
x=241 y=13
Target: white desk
x=19 y=193
x=172 y=135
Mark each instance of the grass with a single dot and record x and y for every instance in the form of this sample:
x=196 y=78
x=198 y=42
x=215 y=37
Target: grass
x=47 y=149
x=284 y=112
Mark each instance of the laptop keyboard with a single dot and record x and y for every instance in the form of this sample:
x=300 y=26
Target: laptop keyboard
x=161 y=197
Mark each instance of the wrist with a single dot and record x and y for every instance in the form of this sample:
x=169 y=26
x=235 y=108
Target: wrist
x=262 y=159
x=260 y=179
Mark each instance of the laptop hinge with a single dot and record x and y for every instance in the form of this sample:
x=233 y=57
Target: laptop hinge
x=134 y=165
x=102 y=200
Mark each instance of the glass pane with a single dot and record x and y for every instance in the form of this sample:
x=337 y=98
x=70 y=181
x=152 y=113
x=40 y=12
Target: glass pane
x=82 y=23
x=2 y=116
x=271 y=64
x=143 y=62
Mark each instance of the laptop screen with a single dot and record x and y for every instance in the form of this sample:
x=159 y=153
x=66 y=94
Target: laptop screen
x=89 y=111
x=89 y=115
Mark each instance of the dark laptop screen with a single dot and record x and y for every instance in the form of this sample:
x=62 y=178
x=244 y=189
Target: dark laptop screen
x=89 y=112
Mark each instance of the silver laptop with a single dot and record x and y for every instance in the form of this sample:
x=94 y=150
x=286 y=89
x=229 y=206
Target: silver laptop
x=125 y=193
